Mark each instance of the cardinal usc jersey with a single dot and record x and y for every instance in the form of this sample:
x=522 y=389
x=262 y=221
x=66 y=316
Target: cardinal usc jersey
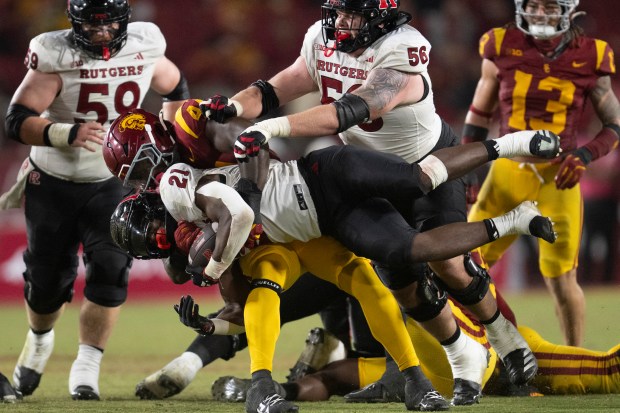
x=287 y=210
x=409 y=131
x=536 y=92
x=92 y=90
x=193 y=145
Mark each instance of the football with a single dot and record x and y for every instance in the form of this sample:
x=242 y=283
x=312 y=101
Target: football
x=202 y=248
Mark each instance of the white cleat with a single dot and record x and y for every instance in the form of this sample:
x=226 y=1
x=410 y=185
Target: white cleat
x=32 y=360
x=545 y=144
x=321 y=348
x=170 y=380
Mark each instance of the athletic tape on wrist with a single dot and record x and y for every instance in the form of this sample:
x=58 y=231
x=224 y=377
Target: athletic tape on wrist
x=215 y=269
x=60 y=135
x=276 y=127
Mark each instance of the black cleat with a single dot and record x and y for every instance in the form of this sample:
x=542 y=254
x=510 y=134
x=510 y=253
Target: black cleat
x=262 y=398
x=423 y=398
x=27 y=380
x=375 y=392
x=521 y=366
x=542 y=227
x=545 y=144
x=466 y=392
x=84 y=393
x=7 y=393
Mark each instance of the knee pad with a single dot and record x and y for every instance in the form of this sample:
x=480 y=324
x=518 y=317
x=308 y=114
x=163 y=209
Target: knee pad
x=432 y=301
x=49 y=281
x=107 y=276
x=476 y=290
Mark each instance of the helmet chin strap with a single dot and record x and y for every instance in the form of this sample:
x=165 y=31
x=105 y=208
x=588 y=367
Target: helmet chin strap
x=340 y=36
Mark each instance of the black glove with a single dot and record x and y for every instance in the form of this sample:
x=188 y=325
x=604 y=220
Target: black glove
x=188 y=315
x=199 y=278
x=218 y=108
x=248 y=144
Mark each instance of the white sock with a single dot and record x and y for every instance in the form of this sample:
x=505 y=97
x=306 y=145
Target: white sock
x=184 y=368
x=504 y=224
x=85 y=368
x=514 y=144
x=36 y=351
x=504 y=336
x=467 y=361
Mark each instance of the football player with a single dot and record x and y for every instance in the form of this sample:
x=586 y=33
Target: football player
x=540 y=72
x=78 y=81
x=138 y=148
x=370 y=68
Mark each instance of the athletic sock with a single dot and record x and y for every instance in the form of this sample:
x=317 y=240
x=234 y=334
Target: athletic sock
x=85 y=368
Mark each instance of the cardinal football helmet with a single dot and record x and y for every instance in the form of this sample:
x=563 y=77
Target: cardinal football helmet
x=380 y=18
x=99 y=13
x=138 y=226
x=541 y=26
x=138 y=147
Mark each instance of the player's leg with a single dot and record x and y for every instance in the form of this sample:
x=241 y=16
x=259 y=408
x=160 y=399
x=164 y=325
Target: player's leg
x=355 y=276
x=558 y=262
x=272 y=268
x=51 y=268
x=573 y=370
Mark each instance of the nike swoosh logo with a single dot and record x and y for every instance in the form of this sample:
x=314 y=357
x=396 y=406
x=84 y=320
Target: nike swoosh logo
x=578 y=64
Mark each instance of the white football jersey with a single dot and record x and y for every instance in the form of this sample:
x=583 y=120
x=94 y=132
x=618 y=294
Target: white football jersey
x=409 y=131
x=287 y=210
x=92 y=90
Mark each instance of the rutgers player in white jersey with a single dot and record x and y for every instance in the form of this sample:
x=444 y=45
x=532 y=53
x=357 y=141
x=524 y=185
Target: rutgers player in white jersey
x=78 y=82
x=371 y=70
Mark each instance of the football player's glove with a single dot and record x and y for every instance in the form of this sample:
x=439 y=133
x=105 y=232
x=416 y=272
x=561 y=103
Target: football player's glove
x=572 y=168
x=249 y=142
x=219 y=108
x=189 y=315
x=185 y=234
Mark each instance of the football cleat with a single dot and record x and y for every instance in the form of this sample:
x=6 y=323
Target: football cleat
x=230 y=389
x=423 y=398
x=84 y=393
x=375 y=392
x=170 y=380
x=7 y=393
x=263 y=398
x=466 y=392
x=321 y=348
x=545 y=144
x=527 y=220
x=32 y=360
x=521 y=366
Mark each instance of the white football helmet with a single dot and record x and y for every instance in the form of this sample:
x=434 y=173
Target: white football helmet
x=540 y=26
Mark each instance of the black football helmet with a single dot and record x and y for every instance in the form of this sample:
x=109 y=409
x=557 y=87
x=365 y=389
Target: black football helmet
x=139 y=146
x=380 y=18
x=139 y=226
x=99 y=12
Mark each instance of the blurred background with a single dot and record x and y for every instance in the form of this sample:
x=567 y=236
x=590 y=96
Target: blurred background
x=224 y=46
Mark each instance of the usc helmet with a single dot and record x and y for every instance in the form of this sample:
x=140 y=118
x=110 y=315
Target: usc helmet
x=137 y=147
x=96 y=13
x=380 y=18
x=138 y=226
x=539 y=26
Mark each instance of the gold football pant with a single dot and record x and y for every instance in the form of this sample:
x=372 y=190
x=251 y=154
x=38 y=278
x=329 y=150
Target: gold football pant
x=329 y=260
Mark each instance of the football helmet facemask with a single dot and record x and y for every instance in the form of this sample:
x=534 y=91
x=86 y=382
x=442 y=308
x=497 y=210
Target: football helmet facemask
x=379 y=18
x=541 y=26
x=138 y=147
x=99 y=13
x=139 y=226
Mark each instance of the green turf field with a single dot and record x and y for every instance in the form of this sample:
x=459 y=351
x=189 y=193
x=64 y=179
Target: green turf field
x=149 y=335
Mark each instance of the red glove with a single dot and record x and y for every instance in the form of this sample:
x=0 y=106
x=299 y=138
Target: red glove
x=184 y=235
x=253 y=239
x=218 y=108
x=572 y=169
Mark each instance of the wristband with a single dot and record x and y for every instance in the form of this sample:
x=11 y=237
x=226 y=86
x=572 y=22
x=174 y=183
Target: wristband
x=237 y=105
x=215 y=269
x=60 y=135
